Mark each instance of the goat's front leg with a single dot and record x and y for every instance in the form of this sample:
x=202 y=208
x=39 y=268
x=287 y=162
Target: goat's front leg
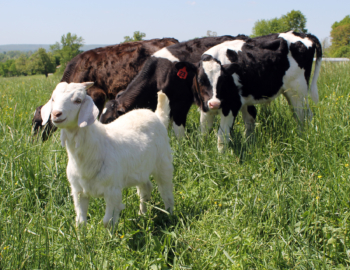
x=226 y=123
x=81 y=204
x=114 y=206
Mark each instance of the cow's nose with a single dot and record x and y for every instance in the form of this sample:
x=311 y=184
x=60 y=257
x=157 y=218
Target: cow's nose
x=214 y=104
x=56 y=114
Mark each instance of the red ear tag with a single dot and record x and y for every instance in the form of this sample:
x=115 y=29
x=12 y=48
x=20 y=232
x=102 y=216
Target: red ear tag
x=182 y=73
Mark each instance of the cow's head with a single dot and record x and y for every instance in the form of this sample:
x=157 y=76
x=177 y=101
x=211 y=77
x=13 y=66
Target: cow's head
x=212 y=83
x=37 y=120
x=110 y=112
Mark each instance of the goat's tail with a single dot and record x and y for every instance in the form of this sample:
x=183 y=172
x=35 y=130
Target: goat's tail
x=314 y=90
x=163 y=108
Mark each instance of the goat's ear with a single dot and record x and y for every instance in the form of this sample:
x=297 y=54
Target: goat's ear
x=88 y=112
x=46 y=112
x=87 y=85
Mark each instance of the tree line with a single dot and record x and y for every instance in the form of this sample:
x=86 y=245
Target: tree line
x=16 y=63
x=296 y=21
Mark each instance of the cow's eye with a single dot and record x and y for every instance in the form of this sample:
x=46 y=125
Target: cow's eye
x=77 y=101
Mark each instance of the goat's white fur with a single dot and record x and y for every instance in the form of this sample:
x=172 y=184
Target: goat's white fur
x=104 y=159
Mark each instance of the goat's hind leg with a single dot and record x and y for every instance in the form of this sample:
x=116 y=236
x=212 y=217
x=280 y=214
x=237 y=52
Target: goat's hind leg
x=144 y=191
x=164 y=179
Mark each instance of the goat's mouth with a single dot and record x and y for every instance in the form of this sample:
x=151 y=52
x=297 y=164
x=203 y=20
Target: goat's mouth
x=59 y=121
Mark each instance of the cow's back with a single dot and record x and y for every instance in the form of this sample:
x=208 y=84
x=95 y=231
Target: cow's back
x=112 y=68
x=192 y=50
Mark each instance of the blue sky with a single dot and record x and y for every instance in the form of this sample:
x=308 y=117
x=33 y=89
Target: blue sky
x=107 y=22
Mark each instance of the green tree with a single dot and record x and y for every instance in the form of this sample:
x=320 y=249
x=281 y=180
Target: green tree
x=265 y=27
x=8 y=68
x=21 y=64
x=341 y=38
x=41 y=63
x=69 y=48
x=293 y=20
x=136 y=37
x=2 y=71
x=344 y=21
x=12 y=69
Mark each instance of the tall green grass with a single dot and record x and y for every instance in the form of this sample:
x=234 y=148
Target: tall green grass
x=280 y=200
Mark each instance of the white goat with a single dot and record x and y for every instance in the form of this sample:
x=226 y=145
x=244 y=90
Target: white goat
x=104 y=159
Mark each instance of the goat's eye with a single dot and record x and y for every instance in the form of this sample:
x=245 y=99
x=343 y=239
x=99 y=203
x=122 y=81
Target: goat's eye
x=77 y=101
x=53 y=100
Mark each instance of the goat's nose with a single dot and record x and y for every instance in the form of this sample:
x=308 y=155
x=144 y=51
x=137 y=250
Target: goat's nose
x=214 y=104
x=56 y=113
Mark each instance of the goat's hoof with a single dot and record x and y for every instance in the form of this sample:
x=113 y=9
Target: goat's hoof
x=80 y=223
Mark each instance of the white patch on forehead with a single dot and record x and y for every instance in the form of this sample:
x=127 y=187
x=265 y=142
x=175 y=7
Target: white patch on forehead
x=104 y=110
x=165 y=53
x=212 y=69
x=291 y=38
x=219 y=51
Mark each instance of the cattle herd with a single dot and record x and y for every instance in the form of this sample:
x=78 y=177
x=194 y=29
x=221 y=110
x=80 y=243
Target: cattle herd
x=221 y=75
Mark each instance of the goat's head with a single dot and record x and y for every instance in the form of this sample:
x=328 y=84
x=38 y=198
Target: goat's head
x=70 y=106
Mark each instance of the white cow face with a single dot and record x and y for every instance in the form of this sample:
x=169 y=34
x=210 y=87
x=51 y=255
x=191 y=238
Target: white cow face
x=211 y=80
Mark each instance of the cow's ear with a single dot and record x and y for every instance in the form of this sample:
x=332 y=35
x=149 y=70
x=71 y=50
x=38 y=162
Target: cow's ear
x=189 y=66
x=232 y=55
x=230 y=68
x=120 y=110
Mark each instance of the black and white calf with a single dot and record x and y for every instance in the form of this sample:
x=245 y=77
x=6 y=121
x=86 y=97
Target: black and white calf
x=235 y=75
x=170 y=70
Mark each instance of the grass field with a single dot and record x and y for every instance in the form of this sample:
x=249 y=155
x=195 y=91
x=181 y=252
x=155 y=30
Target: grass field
x=278 y=201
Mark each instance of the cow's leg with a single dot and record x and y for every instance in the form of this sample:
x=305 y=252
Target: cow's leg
x=297 y=99
x=98 y=96
x=249 y=115
x=179 y=130
x=226 y=123
x=179 y=112
x=207 y=120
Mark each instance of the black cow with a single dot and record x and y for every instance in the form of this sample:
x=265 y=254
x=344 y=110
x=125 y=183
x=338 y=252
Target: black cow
x=235 y=75
x=171 y=71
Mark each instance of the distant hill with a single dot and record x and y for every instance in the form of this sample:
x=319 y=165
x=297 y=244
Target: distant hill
x=34 y=47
